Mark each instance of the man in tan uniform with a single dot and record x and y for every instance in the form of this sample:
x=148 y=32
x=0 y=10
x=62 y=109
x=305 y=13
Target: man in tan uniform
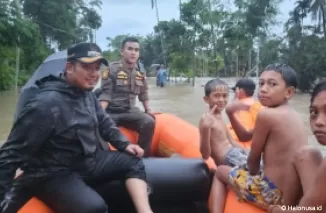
x=121 y=83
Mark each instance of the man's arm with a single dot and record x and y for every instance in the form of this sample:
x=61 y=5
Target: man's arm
x=315 y=198
x=143 y=95
x=31 y=130
x=261 y=132
x=243 y=134
x=107 y=89
x=108 y=129
x=205 y=138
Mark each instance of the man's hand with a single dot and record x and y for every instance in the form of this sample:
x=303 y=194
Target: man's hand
x=134 y=150
x=104 y=104
x=149 y=112
x=237 y=106
x=209 y=118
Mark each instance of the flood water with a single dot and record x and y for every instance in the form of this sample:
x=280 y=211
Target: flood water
x=180 y=99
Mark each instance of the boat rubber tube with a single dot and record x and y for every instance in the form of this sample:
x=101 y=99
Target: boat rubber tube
x=170 y=180
x=176 y=179
x=176 y=136
x=172 y=135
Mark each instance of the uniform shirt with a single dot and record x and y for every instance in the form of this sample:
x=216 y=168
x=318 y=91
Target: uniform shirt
x=121 y=86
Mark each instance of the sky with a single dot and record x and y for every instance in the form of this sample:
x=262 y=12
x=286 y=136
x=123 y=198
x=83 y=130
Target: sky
x=137 y=17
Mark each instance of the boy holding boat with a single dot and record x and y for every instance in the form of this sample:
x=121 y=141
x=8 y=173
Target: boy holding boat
x=278 y=135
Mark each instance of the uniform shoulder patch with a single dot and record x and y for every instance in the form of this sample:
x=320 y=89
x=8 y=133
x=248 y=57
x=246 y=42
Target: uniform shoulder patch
x=122 y=75
x=140 y=75
x=105 y=73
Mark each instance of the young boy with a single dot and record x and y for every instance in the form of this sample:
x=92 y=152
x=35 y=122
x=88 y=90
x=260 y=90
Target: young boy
x=313 y=180
x=278 y=134
x=215 y=139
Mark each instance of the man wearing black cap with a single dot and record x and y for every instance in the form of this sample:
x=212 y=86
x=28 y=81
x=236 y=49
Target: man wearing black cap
x=244 y=88
x=56 y=141
x=243 y=111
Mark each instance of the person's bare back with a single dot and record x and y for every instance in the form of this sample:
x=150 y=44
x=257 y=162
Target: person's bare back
x=286 y=135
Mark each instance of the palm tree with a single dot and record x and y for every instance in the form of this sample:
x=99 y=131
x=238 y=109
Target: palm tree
x=317 y=10
x=154 y=4
x=299 y=13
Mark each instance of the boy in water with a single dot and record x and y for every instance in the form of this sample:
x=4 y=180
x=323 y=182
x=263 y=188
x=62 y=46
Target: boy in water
x=278 y=135
x=215 y=139
x=314 y=189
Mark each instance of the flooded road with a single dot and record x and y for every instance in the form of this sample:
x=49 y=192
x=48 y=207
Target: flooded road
x=180 y=99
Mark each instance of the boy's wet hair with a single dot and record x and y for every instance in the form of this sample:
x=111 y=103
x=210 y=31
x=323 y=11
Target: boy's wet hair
x=320 y=87
x=287 y=72
x=211 y=85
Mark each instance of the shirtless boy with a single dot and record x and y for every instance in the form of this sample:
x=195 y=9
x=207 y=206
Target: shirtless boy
x=314 y=197
x=278 y=134
x=215 y=139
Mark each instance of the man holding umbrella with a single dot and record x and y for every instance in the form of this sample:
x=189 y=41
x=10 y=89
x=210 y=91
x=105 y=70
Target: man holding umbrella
x=56 y=141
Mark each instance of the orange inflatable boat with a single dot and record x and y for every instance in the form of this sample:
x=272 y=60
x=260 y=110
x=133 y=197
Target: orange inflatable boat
x=172 y=136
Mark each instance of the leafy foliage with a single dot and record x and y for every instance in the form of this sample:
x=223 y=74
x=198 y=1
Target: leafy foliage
x=38 y=27
x=209 y=39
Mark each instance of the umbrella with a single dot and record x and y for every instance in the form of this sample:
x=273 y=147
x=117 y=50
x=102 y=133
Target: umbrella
x=155 y=65
x=52 y=65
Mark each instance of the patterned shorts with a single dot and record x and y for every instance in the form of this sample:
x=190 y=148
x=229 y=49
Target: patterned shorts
x=257 y=189
x=236 y=157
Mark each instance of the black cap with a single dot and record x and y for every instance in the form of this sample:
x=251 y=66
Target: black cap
x=245 y=83
x=86 y=53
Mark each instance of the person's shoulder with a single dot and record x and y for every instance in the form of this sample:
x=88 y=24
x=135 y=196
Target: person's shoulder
x=200 y=123
x=109 y=71
x=265 y=115
x=285 y=111
x=48 y=97
x=307 y=152
x=257 y=105
x=43 y=104
x=254 y=104
x=114 y=66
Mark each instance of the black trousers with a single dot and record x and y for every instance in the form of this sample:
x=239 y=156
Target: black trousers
x=72 y=192
x=140 y=122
